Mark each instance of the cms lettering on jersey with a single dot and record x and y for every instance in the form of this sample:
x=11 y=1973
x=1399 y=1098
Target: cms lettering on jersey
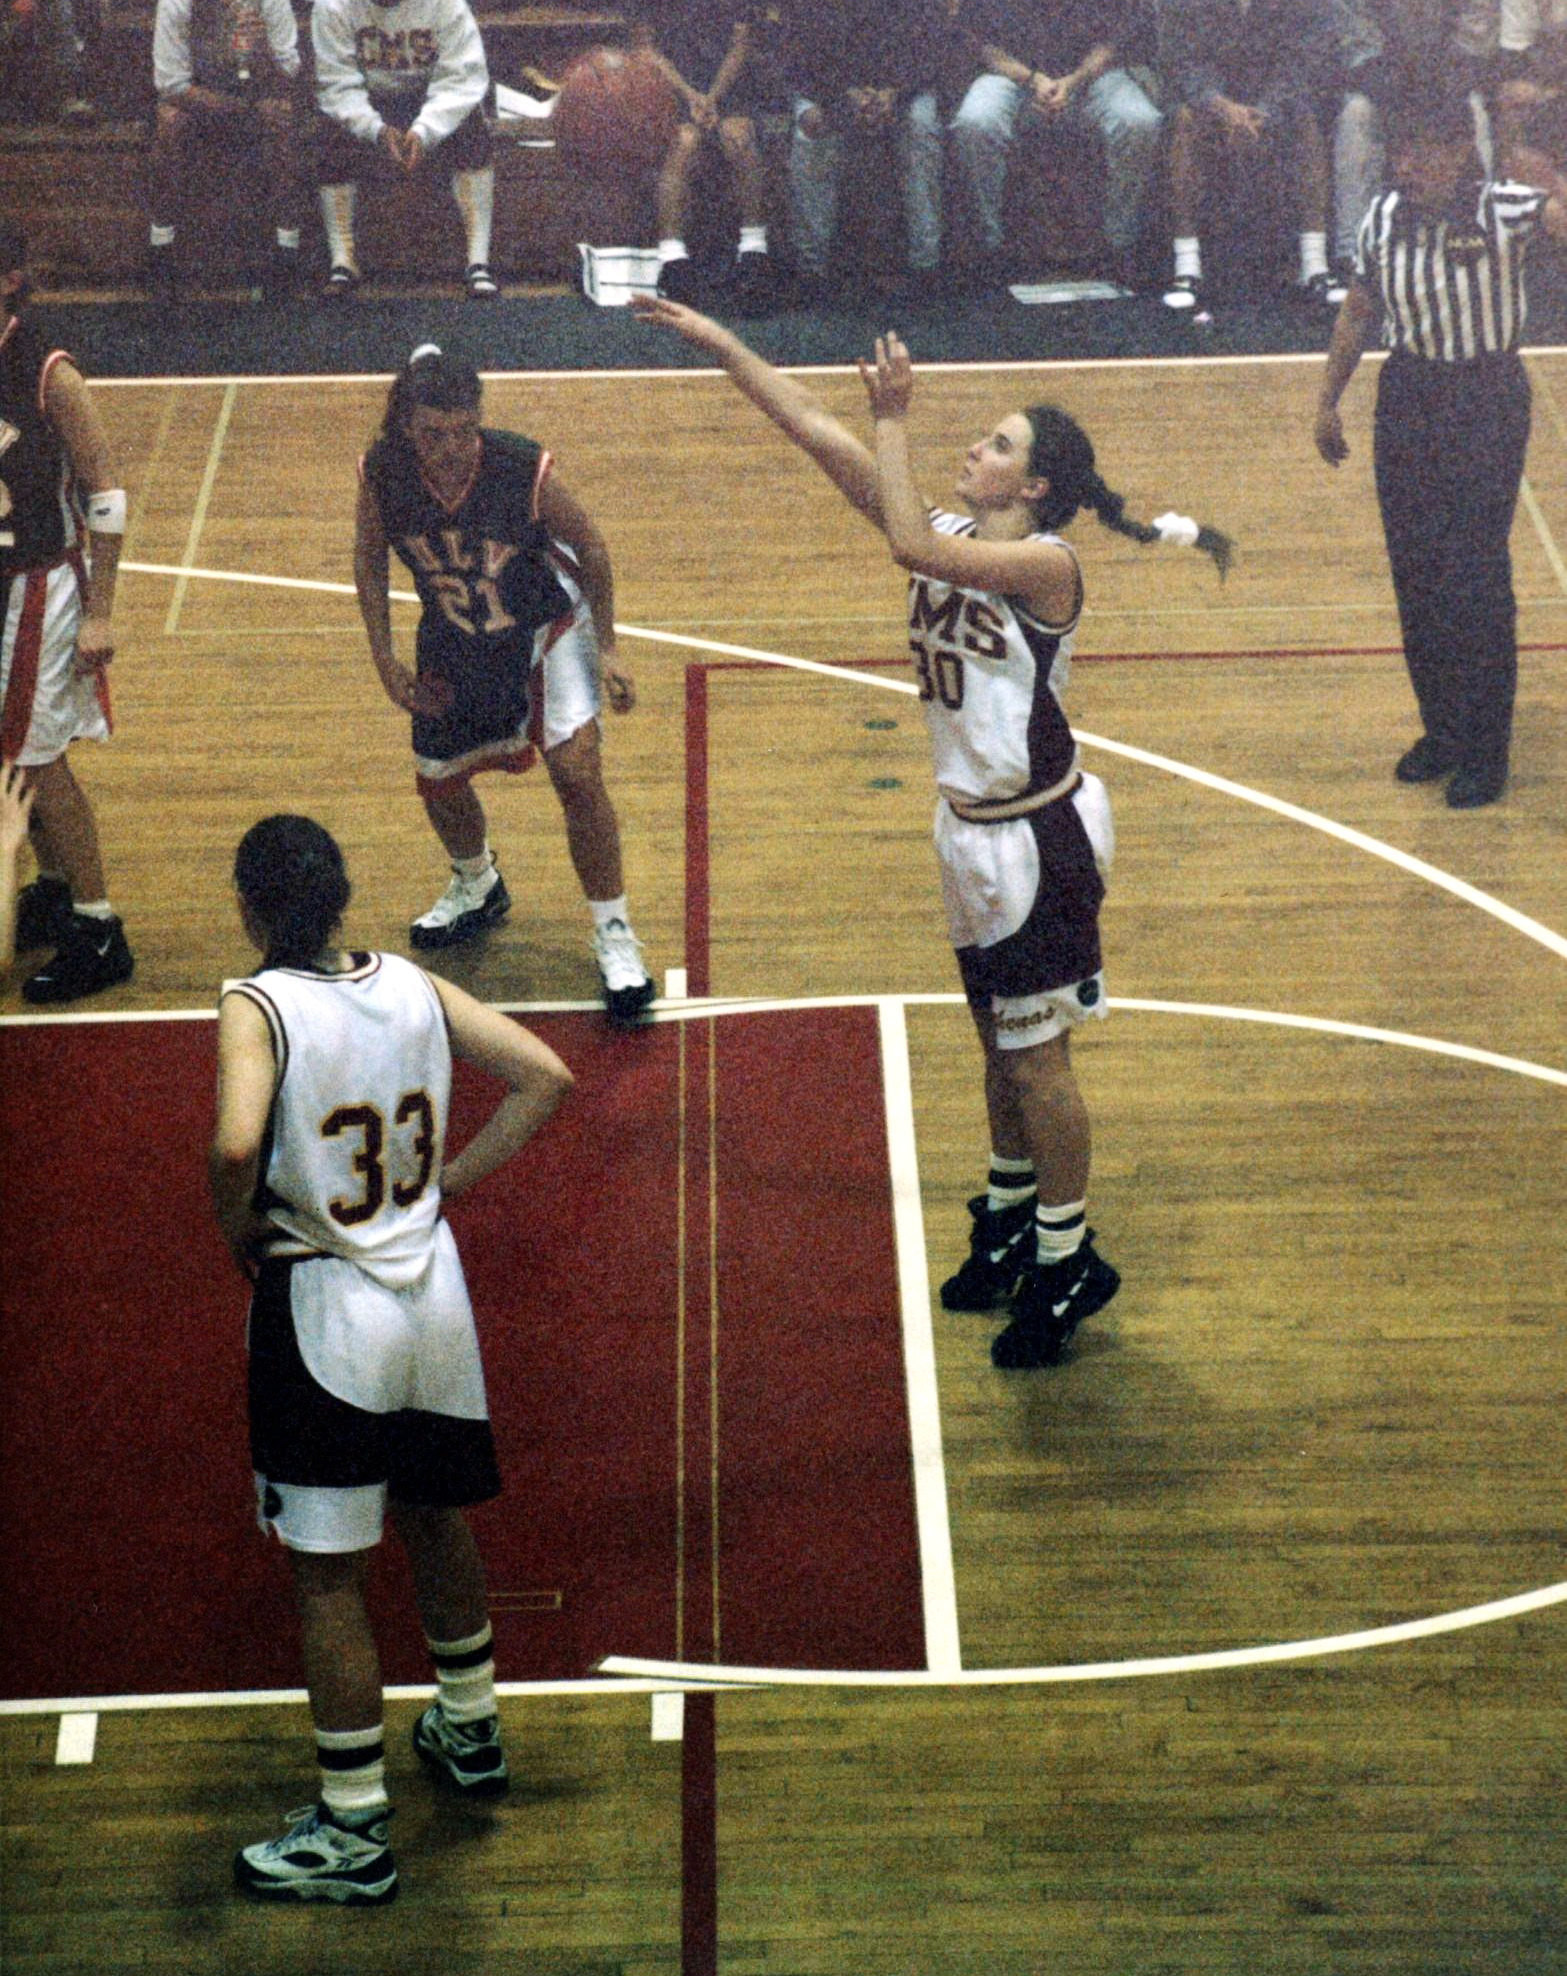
x=960 y=622
x=410 y=51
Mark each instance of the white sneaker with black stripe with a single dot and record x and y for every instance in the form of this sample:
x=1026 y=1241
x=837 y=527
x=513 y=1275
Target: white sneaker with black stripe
x=482 y=285
x=467 y=1754
x=464 y=909
x=319 y=1860
x=628 y=987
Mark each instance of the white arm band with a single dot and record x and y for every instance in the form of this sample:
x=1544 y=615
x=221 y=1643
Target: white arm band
x=1179 y=529
x=106 y=511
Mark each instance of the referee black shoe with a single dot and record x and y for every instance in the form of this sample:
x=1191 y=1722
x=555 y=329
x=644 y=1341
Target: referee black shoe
x=1473 y=788
x=43 y=910
x=92 y=955
x=1051 y=1303
x=1427 y=761
x=1001 y=1246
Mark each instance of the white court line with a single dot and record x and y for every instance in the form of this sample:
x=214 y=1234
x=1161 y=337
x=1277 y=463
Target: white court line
x=1001 y=366
x=77 y=1738
x=668 y=1716
x=938 y=1579
x=717 y=1005
x=199 y=512
x=297 y=1697
x=652 y=1676
x=1103 y=1670
x=1553 y=555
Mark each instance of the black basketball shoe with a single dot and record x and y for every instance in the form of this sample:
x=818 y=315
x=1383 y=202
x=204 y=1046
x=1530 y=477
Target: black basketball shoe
x=43 y=910
x=1051 y=1303
x=92 y=955
x=1001 y=1246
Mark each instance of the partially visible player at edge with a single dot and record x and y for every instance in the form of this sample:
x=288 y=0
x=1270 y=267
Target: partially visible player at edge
x=330 y=1176
x=1023 y=836
x=517 y=630
x=61 y=523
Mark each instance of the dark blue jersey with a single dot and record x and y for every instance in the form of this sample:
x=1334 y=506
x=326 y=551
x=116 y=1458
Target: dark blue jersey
x=481 y=565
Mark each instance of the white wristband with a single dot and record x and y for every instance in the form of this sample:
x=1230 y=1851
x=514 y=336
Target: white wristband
x=423 y=350
x=1179 y=529
x=106 y=511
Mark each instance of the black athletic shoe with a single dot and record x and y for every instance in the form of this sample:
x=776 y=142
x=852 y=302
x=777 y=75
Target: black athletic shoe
x=1473 y=788
x=678 y=281
x=92 y=955
x=1052 y=1302
x=282 y=279
x=757 y=288
x=1427 y=761
x=43 y=911
x=1001 y=1246
x=468 y=1755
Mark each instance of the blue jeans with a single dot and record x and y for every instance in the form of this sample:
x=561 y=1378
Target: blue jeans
x=1115 y=107
x=816 y=165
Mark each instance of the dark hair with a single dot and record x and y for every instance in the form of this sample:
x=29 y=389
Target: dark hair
x=1425 y=111
x=430 y=377
x=1063 y=454
x=289 y=875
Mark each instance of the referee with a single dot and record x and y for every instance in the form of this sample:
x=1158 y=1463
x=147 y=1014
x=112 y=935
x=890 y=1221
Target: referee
x=1439 y=260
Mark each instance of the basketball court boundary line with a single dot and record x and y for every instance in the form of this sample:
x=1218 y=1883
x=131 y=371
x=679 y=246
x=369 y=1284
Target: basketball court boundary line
x=933 y=1523
x=658 y=1676
x=1194 y=360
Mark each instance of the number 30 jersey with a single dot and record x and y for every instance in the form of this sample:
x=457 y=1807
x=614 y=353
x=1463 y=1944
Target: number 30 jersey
x=351 y=1162
x=991 y=677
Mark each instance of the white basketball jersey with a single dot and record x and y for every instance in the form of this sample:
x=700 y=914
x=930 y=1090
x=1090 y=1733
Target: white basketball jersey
x=991 y=677
x=351 y=1163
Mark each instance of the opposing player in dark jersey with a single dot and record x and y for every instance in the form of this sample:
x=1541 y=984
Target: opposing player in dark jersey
x=61 y=522
x=517 y=631
x=330 y=1177
x=1023 y=836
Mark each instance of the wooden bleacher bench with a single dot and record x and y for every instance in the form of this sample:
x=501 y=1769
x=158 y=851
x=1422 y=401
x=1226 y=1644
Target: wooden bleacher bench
x=80 y=194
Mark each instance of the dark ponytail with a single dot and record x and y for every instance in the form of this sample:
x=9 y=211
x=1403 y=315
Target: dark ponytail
x=1063 y=455
x=432 y=378
x=291 y=880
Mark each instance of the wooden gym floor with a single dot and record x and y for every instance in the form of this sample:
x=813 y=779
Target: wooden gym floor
x=1328 y=1109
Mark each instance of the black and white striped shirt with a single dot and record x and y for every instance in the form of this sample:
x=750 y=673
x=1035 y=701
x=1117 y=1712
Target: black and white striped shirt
x=1451 y=284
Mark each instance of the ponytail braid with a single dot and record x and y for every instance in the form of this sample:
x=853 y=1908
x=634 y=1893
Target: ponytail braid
x=1063 y=455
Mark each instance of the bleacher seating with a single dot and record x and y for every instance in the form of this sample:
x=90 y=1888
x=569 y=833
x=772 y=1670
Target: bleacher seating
x=80 y=190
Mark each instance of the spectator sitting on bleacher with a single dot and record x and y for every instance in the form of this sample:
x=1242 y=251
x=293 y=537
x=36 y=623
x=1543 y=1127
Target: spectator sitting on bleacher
x=707 y=49
x=1529 y=93
x=863 y=73
x=1248 y=80
x=402 y=79
x=224 y=69
x=1380 y=43
x=1047 y=63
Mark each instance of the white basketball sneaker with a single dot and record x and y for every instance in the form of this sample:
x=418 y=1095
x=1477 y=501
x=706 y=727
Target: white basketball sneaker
x=464 y=909
x=318 y=1860
x=628 y=988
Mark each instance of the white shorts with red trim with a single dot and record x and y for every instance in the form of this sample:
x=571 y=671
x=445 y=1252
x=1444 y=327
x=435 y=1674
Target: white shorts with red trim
x=563 y=695
x=45 y=703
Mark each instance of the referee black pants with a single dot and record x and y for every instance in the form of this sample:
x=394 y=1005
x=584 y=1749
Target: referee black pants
x=1449 y=453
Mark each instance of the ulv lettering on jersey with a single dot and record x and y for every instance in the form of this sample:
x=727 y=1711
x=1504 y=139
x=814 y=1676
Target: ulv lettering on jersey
x=961 y=621
x=489 y=559
x=407 y=51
